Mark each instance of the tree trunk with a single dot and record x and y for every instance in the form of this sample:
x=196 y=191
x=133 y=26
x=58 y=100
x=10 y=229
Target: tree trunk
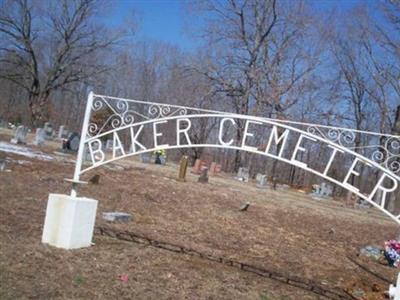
x=39 y=109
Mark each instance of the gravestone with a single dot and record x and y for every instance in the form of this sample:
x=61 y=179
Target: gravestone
x=262 y=182
x=62 y=132
x=197 y=167
x=74 y=142
x=40 y=137
x=109 y=145
x=213 y=168
x=86 y=154
x=145 y=158
x=322 y=191
x=117 y=216
x=246 y=174
x=243 y=174
x=204 y=175
x=258 y=177
x=20 y=135
x=182 y=168
x=48 y=129
x=326 y=190
x=361 y=203
x=163 y=160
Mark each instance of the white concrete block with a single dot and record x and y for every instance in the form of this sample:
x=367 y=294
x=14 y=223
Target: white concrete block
x=69 y=221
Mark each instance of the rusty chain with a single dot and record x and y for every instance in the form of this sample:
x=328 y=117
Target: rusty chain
x=301 y=283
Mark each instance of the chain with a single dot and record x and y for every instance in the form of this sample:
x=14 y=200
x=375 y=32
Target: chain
x=301 y=283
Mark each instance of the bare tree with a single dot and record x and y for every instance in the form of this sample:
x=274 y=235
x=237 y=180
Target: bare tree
x=44 y=50
x=258 y=61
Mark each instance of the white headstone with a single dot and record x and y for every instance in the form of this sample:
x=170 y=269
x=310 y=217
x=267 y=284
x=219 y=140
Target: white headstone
x=323 y=191
x=62 y=132
x=263 y=181
x=243 y=174
x=40 y=137
x=20 y=135
x=326 y=190
x=258 y=177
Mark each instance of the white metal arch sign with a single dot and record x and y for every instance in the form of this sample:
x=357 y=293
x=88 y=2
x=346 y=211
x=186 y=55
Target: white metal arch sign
x=136 y=127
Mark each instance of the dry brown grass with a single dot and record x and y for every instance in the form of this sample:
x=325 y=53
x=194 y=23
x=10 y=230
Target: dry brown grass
x=282 y=230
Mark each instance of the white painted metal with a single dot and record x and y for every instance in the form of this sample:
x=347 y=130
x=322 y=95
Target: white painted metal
x=394 y=291
x=220 y=112
x=82 y=141
x=129 y=114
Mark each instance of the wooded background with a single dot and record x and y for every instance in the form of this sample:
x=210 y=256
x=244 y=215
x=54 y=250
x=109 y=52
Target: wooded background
x=271 y=58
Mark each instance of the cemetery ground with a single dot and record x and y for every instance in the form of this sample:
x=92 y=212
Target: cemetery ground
x=283 y=230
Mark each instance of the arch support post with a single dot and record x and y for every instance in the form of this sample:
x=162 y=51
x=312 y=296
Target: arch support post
x=70 y=220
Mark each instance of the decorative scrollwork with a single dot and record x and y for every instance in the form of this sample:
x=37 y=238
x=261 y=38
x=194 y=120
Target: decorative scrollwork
x=342 y=137
x=121 y=115
x=98 y=104
x=387 y=155
x=161 y=111
x=379 y=156
x=123 y=112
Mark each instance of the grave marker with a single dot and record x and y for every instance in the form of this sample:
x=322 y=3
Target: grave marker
x=48 y=129
x=204 y=175
x=212 y=168
x=258 y=177
x=145 y=158
x=263 y=182
x=40 y=137
x=117 y=216
x=62 y=132
x=322 y=191
x=74 y=142
x=197 y=167
x=243 y=174
x=182 y=168
x=20 y=135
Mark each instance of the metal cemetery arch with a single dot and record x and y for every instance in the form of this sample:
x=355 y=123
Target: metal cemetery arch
x=130 y=117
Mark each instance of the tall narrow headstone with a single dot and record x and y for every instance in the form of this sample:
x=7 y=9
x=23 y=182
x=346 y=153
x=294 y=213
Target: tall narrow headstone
x=204 y=175
x=20 y=135
x=258 y=177
x=212 y=168
x=326 y=190
x=182 y=168
x=2 y=164
x=48 y=129
x=239 y=173
x=62 y=132
x=40 y=137
x=197 y=167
